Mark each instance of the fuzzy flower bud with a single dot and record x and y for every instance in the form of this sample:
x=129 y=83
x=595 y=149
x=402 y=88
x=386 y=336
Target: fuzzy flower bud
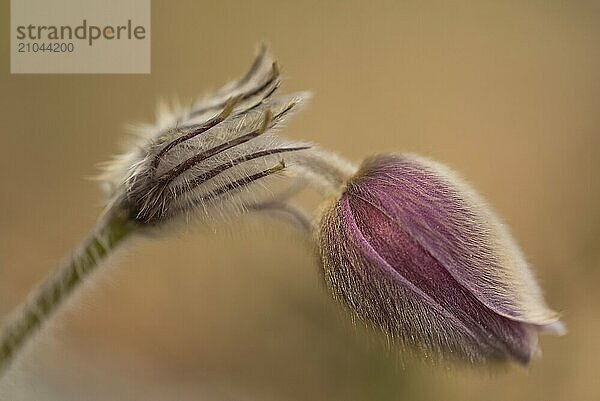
x=411 y=248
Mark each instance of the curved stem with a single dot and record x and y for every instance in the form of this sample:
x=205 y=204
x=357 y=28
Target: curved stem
x=326 y=169
x=57 y=287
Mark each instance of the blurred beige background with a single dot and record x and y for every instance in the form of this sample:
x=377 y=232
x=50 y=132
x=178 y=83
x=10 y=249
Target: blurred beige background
x=508 y=93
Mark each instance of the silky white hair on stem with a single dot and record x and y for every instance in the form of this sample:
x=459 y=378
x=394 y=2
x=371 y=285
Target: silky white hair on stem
x=211 y=161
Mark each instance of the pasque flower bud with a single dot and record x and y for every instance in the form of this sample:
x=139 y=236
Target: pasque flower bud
x=412 y=249
x=407 y=245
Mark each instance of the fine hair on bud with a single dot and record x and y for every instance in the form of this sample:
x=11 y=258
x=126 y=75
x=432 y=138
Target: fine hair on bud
x=410 y=248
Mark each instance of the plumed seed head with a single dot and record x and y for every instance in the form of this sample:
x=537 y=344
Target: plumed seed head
x=221 y=153
x=414 y=250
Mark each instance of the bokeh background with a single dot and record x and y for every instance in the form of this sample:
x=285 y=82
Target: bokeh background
x=506 y=92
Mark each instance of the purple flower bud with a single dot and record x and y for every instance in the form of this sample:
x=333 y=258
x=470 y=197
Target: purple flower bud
x=414 y=250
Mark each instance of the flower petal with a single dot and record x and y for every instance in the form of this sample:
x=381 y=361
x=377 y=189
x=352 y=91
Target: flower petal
x=409 y=247
x=454 y=224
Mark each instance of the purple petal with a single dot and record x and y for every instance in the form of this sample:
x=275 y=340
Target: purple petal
x=409 y=247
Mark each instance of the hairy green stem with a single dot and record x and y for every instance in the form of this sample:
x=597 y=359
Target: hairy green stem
x=327 y=171
x=50 y=294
